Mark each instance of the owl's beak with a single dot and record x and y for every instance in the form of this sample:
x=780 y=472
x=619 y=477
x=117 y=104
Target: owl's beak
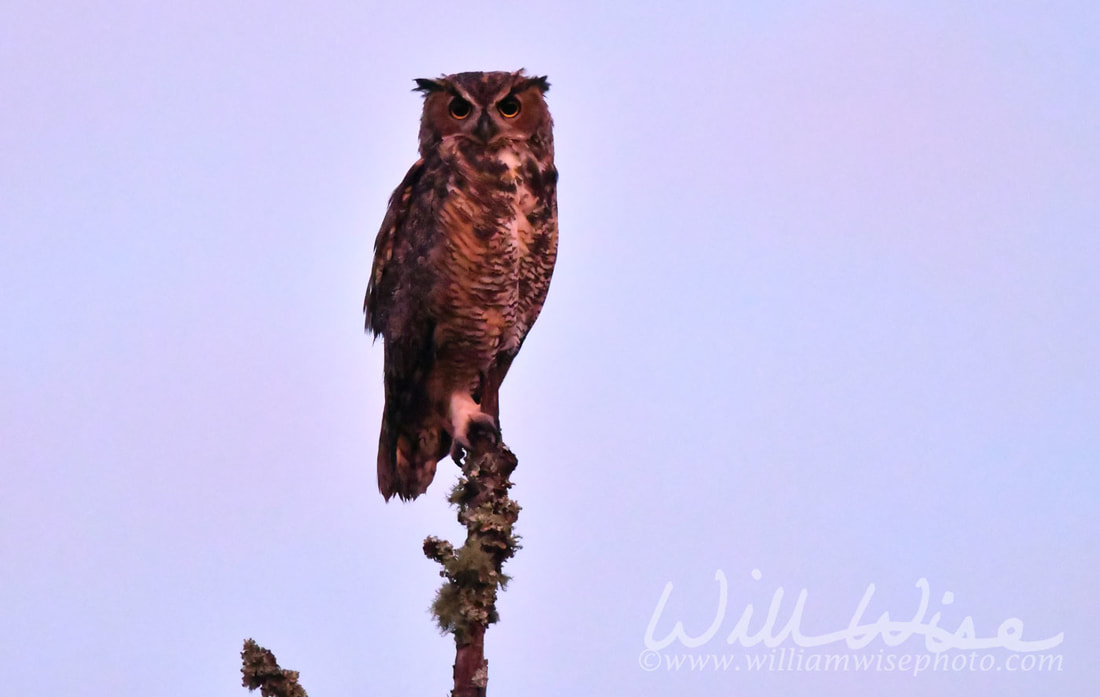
x=485 y=128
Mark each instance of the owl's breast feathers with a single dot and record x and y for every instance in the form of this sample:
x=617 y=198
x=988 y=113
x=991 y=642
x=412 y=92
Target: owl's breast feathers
x=469 y=241
x=499 y=244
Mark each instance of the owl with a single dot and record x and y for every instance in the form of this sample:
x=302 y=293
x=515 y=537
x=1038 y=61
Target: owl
x=462 y=265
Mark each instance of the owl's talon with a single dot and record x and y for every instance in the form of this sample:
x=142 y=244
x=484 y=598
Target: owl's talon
x=458 y=453
x=481 y=434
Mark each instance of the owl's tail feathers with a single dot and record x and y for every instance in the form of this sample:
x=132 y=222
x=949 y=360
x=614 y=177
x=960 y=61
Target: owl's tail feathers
x=403 y=469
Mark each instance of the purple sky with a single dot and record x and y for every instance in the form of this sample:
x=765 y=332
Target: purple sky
x=827 y=307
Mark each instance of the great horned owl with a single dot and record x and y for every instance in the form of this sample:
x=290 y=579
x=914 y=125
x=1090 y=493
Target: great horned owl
x=462 y=265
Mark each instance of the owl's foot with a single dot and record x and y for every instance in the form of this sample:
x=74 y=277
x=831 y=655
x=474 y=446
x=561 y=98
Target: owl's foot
x=472 y=430
x=482 y=432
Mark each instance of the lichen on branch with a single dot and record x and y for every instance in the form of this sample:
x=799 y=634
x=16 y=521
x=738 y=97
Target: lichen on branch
x=261 y=671
x=465 y=605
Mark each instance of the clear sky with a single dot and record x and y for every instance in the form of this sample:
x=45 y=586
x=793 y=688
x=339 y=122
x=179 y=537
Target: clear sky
x=826 y=307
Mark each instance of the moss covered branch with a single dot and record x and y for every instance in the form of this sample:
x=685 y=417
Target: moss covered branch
x=466 y=603
x=261 y=671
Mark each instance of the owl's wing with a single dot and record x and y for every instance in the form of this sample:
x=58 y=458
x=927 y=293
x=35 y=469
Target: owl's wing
x=376 y=304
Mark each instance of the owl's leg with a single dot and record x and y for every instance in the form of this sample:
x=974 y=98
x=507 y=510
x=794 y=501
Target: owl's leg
x=490 y=400
x=469 y=425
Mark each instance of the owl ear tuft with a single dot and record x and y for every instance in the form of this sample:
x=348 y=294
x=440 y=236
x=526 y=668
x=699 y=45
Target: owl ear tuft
x=427 y=86
x=539 y=83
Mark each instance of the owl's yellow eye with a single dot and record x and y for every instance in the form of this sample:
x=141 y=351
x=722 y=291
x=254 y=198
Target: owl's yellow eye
x=460 y=108
x=508 y=107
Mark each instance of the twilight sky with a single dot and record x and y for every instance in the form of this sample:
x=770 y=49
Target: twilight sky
x=826 y=314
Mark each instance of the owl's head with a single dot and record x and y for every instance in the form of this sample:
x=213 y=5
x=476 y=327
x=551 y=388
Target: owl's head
x=488 y=109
